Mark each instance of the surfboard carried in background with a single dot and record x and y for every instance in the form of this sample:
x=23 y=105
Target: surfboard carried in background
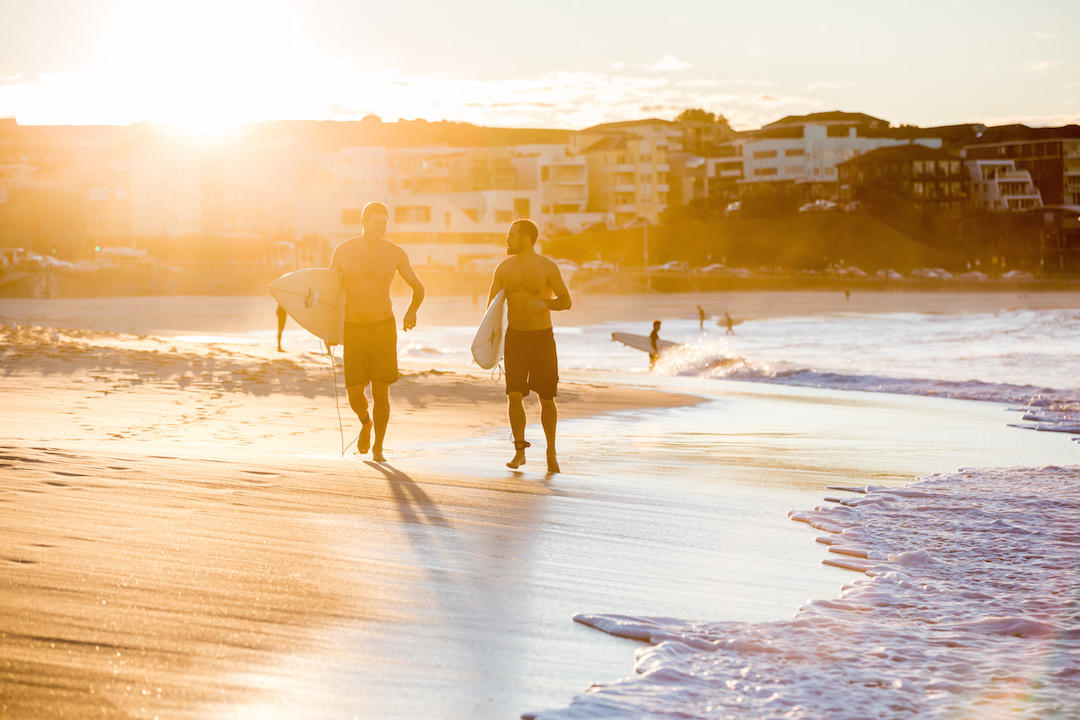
x=487 y=346
x=642 y=342
x=315 y=299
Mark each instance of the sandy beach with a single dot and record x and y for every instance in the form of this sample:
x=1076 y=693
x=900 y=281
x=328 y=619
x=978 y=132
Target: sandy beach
x=182 y=537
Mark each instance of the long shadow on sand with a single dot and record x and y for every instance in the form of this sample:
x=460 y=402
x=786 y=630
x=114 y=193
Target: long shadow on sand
x=413 y=503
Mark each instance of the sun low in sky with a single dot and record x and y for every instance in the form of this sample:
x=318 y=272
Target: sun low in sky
x=205 y=66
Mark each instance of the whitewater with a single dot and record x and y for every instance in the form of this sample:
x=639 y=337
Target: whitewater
x=968 y=609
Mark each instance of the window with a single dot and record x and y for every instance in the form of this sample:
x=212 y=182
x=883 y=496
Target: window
x=521 y=207
x=795 y=152
x=765 y=171
x=761 y=154
x=504 y=216
x=918 y=188
x=412 y=214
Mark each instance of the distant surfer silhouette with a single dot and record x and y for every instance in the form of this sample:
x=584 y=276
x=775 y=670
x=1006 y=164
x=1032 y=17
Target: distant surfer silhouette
x=730 y=324
x=654 y=343
x=367 y=264
x=534 y=287
x=701 y=317
x=281 y=316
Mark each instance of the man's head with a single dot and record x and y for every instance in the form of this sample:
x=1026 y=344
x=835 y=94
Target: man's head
x=655 y=324
x=374 y=217
x=521 y=235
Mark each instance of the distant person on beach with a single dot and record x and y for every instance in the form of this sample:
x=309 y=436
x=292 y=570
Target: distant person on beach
x=534 y=287
x=730 y=324
x=701 y=317
x=367 y=264
x=654 y=343
x=847 y=294
x=281 y=316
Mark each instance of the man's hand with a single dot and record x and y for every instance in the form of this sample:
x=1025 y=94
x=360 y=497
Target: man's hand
x=538 y=305
x=409 y=322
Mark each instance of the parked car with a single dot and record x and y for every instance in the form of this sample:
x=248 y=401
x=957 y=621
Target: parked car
x=598 y=266
x=1017 y=275
x=671 y=266
x=714 y=269
x=888 y=274
x=932 y=273
x=818 y=206
x=972 y=275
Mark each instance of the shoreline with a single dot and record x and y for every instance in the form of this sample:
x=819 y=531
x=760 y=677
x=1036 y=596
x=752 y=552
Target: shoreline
x=179 y=548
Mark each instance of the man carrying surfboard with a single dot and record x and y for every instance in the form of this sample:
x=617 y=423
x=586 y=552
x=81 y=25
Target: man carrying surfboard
x=533 y=287
x=367 y=264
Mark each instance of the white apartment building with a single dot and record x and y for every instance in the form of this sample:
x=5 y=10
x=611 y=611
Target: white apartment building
x=453 y=228
x=563 y=182
x=998 y=185
x=808 y=154
x=628 y=167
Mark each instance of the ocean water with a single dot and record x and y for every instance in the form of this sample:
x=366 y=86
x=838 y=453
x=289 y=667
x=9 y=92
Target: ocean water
x=963 y=598
x=967 y=608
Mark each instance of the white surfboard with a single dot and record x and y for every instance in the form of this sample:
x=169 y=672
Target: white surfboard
x=315 y=299
x=487 y=346
x=642 y=342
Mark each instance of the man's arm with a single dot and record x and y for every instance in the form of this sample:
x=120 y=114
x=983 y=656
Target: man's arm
x=407 y=273
x=496 y=285
x=561 y=301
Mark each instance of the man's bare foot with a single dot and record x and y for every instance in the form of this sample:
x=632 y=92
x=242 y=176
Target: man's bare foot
x=519 y=455
x=552 y=463
x=363 y=443
x=377 y=456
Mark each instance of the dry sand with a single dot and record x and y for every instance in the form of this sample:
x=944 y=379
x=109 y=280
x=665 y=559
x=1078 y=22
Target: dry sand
x=173 y=517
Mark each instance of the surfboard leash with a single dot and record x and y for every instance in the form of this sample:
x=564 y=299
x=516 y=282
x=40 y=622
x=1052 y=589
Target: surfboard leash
x=337 y=402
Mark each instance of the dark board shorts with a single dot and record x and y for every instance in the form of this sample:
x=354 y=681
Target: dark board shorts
x=371 y=352
x=531 y=362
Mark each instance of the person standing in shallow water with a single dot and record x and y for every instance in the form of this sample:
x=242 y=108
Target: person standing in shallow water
x=534 y=287
x=654 y=343
x=701 y=317
x=367 y=264
x=281 y=316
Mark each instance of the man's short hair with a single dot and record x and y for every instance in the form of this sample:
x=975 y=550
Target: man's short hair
x=527 y=228
x=373 y=206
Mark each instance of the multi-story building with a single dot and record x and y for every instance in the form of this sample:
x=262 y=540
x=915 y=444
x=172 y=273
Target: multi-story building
x=1051 y=155
x=913 y=172
x=563 y=182
x=628 y=167
x=998 y=185
x=805 y=150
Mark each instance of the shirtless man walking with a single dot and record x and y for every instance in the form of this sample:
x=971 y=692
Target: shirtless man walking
x=367 y=264
x=534 y=287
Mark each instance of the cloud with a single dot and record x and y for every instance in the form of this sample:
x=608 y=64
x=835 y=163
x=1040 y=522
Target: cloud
x=1039 y=66
x=669 y=63
x=824 y=85
x=570 y=100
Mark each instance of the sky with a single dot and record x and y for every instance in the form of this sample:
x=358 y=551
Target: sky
x=206 y=65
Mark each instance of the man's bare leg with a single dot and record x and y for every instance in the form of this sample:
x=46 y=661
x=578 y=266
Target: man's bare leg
x=549 y=418
x=358 y=403
x=380 y=397
x=515 y=410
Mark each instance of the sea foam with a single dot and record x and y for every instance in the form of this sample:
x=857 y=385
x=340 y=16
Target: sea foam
x=969 y=608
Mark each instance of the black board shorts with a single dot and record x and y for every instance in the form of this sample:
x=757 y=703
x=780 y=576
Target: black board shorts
x=371 y=352
x=531 y=362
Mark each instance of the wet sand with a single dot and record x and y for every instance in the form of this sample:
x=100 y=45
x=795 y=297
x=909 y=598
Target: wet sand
x=180 y=537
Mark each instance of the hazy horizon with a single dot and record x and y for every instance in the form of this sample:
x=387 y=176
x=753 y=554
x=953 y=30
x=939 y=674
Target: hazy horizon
x=564 y=66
